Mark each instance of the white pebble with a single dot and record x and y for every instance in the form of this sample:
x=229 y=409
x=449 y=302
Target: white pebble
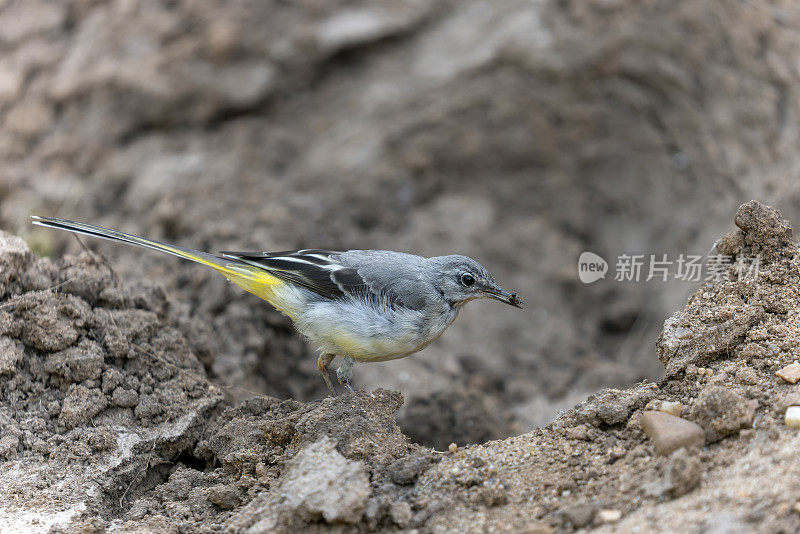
x=793 y=416
x=609 y=516
x=672 y=408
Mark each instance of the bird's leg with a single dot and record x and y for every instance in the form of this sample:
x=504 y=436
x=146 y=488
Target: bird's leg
x=323 y=362
x=345 y=372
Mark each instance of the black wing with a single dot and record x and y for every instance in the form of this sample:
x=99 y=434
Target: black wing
x=315 y=269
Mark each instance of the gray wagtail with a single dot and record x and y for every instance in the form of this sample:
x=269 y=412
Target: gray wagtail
x=363 y=305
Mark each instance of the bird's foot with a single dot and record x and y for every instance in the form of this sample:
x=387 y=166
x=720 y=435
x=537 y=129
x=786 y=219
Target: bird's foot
x=345 y=373
x=323 y=362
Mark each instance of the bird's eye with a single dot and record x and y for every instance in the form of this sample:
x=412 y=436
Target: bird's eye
x=467 y=279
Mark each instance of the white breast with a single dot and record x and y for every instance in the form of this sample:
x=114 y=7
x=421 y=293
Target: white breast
x=369 y=331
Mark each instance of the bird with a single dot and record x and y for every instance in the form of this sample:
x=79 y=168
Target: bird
x=361 y=305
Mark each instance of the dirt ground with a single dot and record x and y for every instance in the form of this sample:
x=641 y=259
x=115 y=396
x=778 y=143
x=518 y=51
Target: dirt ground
x=143 y=393
x=109 y=422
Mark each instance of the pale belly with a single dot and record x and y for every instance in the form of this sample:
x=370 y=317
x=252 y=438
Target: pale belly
x=370 y=334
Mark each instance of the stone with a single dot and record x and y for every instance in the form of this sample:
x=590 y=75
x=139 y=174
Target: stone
x=790 y=373
x=580 y=515
x=763 y=226
x=321 y=483
x=672 y=407
x=792 y=417
x=684 y=473
x=224 y=496
x=722 y=412
x=669 y=433
x=609 y=516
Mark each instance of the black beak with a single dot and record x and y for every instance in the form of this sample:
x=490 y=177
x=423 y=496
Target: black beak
x=503 y=296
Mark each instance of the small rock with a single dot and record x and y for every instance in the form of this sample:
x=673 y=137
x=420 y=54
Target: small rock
x=226 y=497
x=790 y=373
x=609 y=516
x=320 y=482
x=763 y=227
x=793 y=417
x=406 y=470
x=722 y=412
x=672 y=408
x=452 y=447
x=670 y=433
x=613 y=406
x=538 y=528
x=684 y=473
x=580 y=515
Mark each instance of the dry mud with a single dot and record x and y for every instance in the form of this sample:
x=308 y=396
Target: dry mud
x=520 y=133
x=109 y=421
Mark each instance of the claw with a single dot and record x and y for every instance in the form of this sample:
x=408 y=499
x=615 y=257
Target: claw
x=345 y=373
x=323 y=362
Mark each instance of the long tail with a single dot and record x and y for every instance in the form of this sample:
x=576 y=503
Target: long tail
x=252 y=279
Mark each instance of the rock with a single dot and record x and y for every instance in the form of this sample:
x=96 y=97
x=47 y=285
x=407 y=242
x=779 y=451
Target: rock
x=406 y=470
x=672 y=407
x=792 y=417
x=579 y=515
x=790 y=373
x=224 y=496
x=684 y=473
x=763 y=227
x=670 y=433
x=710 y=339
x=321 y=483
x=721 y=412
x=609 y=516
x=613 y=406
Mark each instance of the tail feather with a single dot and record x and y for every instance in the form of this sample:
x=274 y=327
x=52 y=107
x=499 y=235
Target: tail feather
x=205 y=258
x=251 y=279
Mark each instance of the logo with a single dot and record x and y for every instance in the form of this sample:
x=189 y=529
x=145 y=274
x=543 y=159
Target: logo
x=591 y=267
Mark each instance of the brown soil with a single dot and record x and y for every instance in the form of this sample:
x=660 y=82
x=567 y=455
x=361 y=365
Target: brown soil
x=519 y=133
x=109 y=420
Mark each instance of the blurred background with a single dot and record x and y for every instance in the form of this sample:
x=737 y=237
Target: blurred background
x=521 y=133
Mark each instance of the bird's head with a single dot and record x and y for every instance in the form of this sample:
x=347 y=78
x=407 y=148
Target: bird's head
x=460 y=279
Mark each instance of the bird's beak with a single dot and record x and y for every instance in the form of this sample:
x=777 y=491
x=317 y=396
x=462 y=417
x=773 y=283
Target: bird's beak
x=503 y=296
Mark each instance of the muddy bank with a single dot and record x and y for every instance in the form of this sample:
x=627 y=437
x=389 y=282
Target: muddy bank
x=520 y=133
x=108 y=420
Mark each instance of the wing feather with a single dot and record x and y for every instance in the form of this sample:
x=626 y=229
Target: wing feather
x=318 y=270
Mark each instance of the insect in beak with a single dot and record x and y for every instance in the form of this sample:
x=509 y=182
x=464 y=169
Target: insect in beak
x=503 y=296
